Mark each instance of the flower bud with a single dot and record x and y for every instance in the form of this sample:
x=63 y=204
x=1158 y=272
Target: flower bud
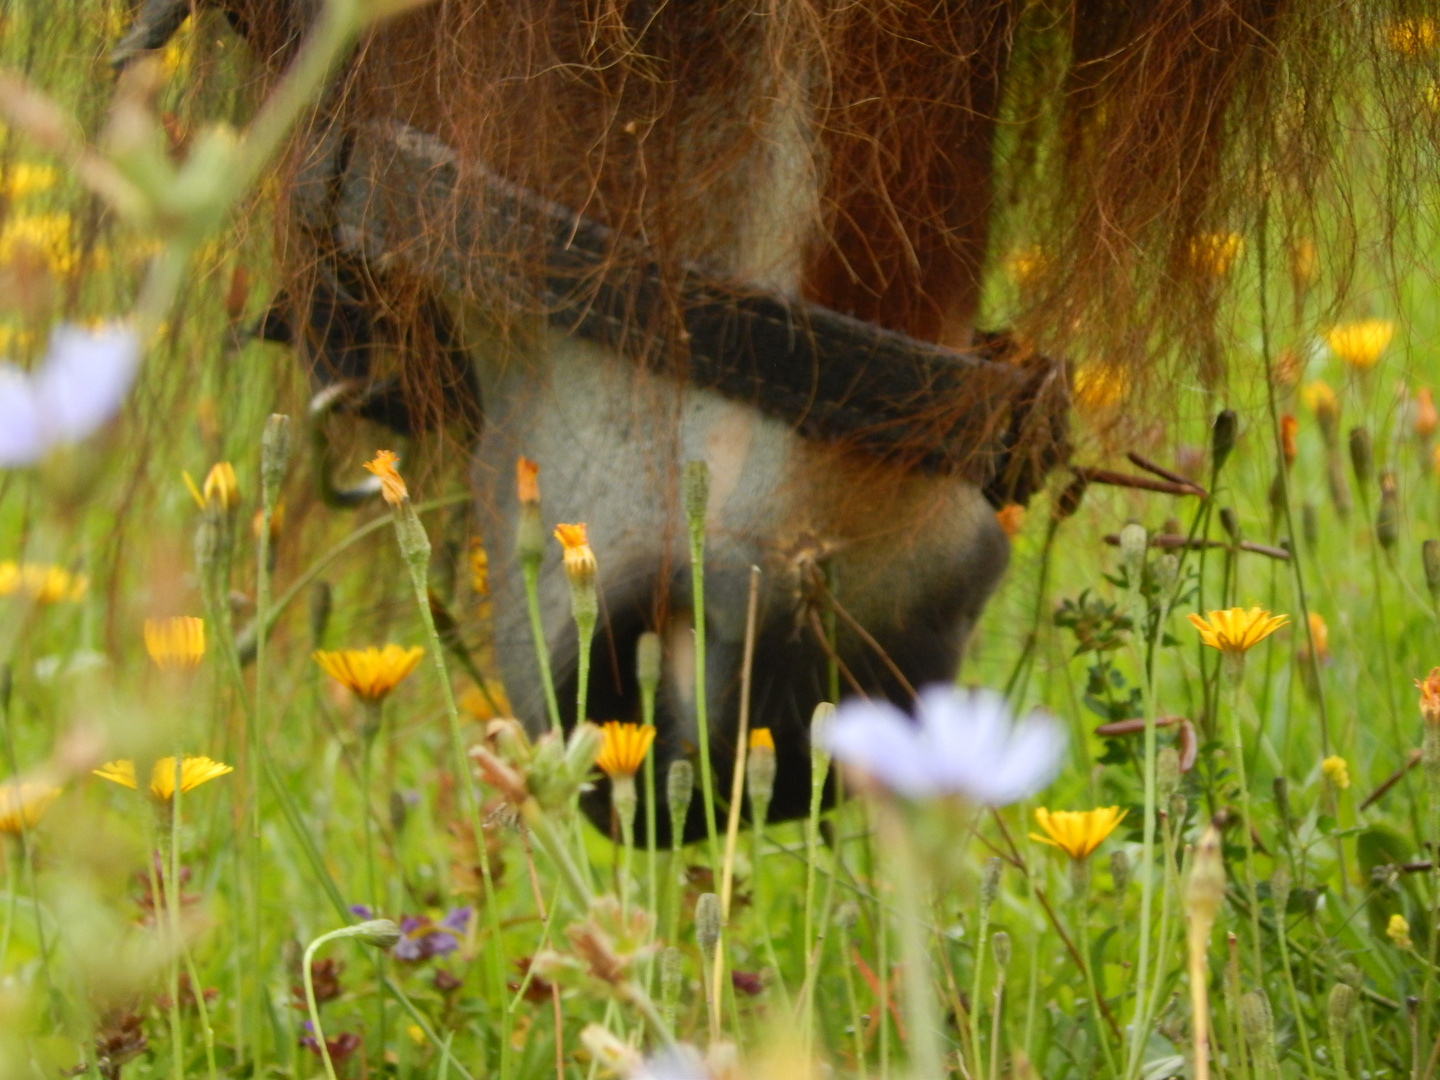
x=1179 y=807
x=1398 y=931
x=1339 y=489
x=1310 y=524
x=1119 y=871
x=1132 y=550
x=274 y=456
x=695 y=492
x=1205 y=891
x=1000 y=948
x=819 y=759
x=1167 y=774
x=1339 y=1010
x=1231 y=523
x=1280 y=892
x=760 y=775
x=1164 y=571
x=1222 y=438
x=579 y=559
x=320 y=607
x=377 y=933
x=679 y=789
x=1430 y=557
x=989 y=884
x=847 y=915
x=647 y=661
x=670 y=979
x=1070 y=499
x=1259 y=1027
x=1362 y=455
x=707 y=922
x=1387 y=516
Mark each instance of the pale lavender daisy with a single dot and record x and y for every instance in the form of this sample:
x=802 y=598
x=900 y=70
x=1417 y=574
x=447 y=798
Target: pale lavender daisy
x=77 y=387
x=962 y=743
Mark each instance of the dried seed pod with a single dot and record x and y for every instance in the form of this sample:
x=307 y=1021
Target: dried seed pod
x=1362 y=455
x=1222 y=437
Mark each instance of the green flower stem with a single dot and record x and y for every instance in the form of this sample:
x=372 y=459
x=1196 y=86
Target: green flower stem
x=922 y=1015
x=542 y=828
x=309 y=980
x=172 y=907
x=702 y=705
x=976 y=1009
x=372 y=724
x=652 y=874
x=622 y=797
x=1080 y=876
x=415 y=548
x=27 y=852
x=1300 y=1026
x=10 y=894
x=1233 y=676
x=167 y=905
x=819 y=768
x=851 y=1000
x=530 y=571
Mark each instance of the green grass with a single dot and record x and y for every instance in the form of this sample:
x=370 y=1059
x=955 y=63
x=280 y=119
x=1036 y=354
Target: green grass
x=87 y=965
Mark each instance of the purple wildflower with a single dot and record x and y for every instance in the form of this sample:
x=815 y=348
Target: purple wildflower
x=76 y=388
x=959 y=743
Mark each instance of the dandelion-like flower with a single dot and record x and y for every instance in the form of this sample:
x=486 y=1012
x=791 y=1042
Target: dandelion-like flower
x=177 y=642
x=579 y=559
x=959 y=743
x=77 y=387
x=1319 y=398
x=23 y=803
x=370 y=673
x=1360 y=343
x=42 y=583
x=1236 y=630
x=1077 y=832
x=194 y=771
x=761 y=736
x=1336 y=771
x=1429 y=688
x=1288 y=427
x=624 y=749
x=392 y=485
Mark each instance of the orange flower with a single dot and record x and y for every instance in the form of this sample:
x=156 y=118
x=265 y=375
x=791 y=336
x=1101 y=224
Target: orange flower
x=1236 y=630
x=1321 y=635
x=579 y=559
x=527 y=481
x=392 y=485
x=1430 y=696
x=1288 y=426
x=1426 y=418
x=1011 y=517
x=624 y=749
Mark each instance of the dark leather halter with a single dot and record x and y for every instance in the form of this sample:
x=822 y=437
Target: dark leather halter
x=395 y=198
x=386 y=197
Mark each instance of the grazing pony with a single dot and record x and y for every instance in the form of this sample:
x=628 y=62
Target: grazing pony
x=615 y=236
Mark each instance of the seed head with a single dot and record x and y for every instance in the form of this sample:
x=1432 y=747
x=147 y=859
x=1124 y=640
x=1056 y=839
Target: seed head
x=1222 y=437
x=707 y=921
x=648 y=660
x=679 y=790
x=1000 y=947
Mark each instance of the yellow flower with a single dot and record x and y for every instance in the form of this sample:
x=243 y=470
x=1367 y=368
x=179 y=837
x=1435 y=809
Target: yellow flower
x=27 y=178
x=392 y=485
x=579 y=559
x=1398 y=931
x=370 y=674
x=761 y=736
x=1237 y=630
x=46 y=237
x=177 y=642
x=624 y=749
x=1100 y=386
x=1336 y=771
x=194 y=771
x=221 y=489
x=1216 y=252
x=1360 y=343
x=23 y=803
x=41 y=583
x=1077 y=832
x=1412 y=37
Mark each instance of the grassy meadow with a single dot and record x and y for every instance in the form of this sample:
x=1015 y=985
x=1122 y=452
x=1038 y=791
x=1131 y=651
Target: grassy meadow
x=1264 y=886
